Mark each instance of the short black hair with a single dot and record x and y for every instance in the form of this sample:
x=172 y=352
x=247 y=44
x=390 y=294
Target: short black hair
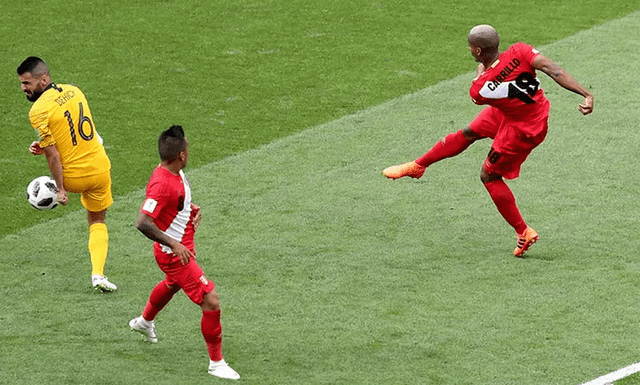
x=33 y=65
x=171 y=143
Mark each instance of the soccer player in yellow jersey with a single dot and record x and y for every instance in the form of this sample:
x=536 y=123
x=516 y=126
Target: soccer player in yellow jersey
x=74 y=152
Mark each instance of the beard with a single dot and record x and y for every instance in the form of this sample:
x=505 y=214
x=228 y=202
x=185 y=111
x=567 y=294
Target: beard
x=35 y=96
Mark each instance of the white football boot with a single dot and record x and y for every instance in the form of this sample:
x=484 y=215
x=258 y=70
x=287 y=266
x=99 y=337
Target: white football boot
x=223 y=370
x=101 y=283
x=144 y=327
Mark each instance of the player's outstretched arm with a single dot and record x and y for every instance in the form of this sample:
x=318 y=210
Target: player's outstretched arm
x=148 y=227
x=564 y=79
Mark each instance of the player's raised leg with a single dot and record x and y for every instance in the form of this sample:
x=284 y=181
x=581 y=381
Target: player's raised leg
x=451 y=145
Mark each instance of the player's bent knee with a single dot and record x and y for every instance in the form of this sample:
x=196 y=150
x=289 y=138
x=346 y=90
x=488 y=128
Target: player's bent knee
x=470 y=135
x=96 y=216
x=210 y=301
x=486 y=177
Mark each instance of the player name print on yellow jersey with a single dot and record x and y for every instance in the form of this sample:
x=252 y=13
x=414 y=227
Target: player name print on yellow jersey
x=65 y=97
x=62 y=117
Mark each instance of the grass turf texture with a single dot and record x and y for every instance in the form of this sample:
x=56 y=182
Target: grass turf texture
x=330 y=274
x=633 y=379
x=239 y=74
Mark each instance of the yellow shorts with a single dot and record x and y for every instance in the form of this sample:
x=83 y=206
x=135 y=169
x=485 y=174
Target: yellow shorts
x=95 y=190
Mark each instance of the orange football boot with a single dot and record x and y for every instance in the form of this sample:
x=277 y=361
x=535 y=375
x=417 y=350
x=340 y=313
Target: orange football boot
x=411 y=169
x=525 y=240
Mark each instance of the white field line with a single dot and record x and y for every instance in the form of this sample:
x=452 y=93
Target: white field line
x=615 y=376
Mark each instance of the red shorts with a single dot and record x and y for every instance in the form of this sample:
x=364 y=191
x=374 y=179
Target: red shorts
x=190 y=278
x=513 y=141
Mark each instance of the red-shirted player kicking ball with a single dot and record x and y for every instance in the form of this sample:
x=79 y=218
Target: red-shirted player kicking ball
x=169 y=218
x=516 y=120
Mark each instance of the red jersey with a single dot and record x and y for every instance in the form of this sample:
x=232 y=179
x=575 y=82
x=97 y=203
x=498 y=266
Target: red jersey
x=168 y=202
x=511 y=85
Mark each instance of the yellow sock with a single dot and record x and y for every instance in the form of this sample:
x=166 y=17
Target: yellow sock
x=98 y=247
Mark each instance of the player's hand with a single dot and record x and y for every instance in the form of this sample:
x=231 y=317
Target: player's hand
x=35 y=149
x=197 y=216
x=182 y=252
x=587 y=107
x=62 y=198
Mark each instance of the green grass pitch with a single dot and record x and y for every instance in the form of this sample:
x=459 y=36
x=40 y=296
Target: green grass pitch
x=328 y=273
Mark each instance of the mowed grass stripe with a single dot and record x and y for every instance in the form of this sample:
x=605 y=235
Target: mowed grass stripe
x=326 y=269
x=280 y=67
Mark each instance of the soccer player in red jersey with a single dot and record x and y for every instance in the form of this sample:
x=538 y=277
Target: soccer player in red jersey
x=169 y=217
x=516 y=119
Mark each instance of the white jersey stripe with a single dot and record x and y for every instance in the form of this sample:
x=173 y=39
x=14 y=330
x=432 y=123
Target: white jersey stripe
x=177 y=228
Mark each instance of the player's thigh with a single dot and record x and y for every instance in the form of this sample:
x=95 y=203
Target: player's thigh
x=487 y=122
x=190 y=278
x=95 y=190
x=509 y=150
x=504 y=164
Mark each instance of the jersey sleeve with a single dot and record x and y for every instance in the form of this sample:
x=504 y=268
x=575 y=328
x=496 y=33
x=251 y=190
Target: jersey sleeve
x=155 y=200
x=527 y=52
x=40 y=121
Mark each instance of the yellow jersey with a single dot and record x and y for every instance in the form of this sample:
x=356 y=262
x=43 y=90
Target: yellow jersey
x=62 y=118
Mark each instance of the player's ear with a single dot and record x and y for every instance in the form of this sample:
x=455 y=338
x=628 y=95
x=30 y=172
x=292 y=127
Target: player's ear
x=44 y=80
x=475 y=51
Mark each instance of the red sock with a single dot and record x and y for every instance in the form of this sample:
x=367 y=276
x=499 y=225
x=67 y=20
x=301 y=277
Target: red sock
x=506 y=204
x=451 y=145
x=212 y=333
x=160 y=296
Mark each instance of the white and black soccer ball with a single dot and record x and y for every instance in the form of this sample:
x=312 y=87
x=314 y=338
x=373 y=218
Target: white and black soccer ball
x=42 y=193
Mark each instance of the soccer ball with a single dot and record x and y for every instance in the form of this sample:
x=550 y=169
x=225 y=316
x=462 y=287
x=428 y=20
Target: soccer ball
x=42 y=193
